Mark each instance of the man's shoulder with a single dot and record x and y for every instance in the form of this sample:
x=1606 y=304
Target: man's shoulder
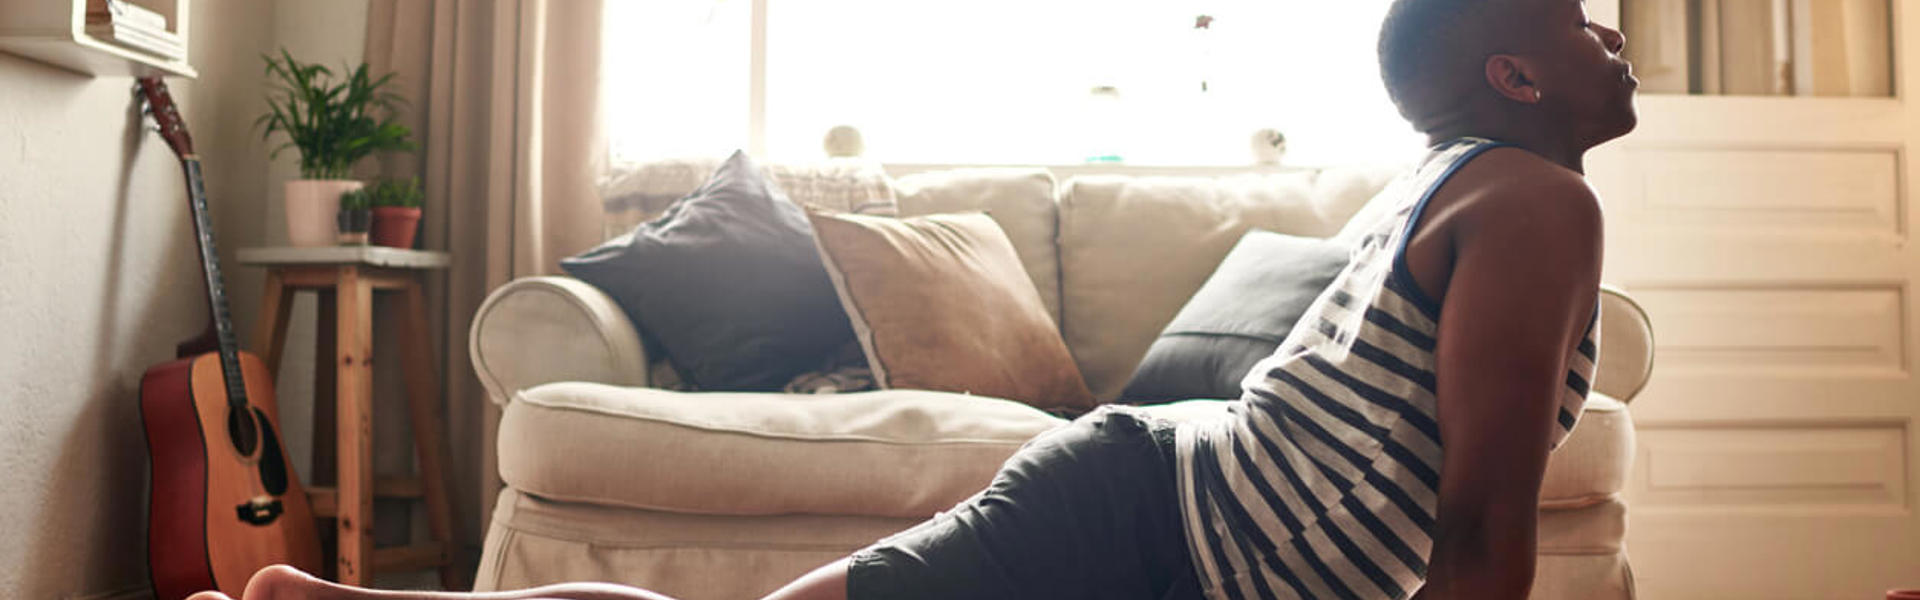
x=1510 y=187
x=1510 y=174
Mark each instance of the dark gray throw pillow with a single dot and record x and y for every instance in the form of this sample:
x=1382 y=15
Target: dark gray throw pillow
x=726 y=282
x=1239 y=316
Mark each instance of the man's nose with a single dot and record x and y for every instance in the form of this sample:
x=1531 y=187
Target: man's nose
x=1616 y=41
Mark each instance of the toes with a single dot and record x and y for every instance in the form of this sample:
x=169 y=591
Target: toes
x=277 y=581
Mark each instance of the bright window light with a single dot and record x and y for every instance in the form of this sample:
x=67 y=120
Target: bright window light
x=675 y=77
x=1010 y=81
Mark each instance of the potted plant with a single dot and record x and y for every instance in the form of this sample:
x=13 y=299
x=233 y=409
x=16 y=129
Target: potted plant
x=396 y=212
x=356 y=216
x=333 y=124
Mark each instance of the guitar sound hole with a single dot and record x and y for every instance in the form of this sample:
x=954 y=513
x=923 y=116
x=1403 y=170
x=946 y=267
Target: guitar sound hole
x=242 y=431
x=273 y=468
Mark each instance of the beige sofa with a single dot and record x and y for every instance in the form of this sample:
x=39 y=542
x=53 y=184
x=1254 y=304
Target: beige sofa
x=728 y=495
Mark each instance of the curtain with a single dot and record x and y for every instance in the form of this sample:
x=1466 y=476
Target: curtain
x=506 y=110
x=1761 y=47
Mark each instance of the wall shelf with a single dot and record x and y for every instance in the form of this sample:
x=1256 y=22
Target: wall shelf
x=55 y=32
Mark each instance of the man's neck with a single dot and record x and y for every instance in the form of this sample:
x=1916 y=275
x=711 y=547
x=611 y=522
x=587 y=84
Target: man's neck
x=1508 y=129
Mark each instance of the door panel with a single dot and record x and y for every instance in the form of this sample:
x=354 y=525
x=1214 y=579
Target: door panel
x=1768 y=240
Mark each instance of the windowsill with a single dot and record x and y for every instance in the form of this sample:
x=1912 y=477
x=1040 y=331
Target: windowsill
x=1080 y=169
x=1059 y=170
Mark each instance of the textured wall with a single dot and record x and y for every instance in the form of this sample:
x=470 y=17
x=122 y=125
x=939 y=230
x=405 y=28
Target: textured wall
x=98 y=282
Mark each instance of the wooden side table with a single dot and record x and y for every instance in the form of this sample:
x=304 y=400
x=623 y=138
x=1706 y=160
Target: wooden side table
x=346 y=278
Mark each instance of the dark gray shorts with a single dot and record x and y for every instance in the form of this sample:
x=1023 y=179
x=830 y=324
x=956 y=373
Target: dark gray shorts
x=1089 y=510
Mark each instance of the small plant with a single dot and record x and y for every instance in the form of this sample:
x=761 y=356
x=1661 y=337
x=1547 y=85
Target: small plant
x=396 y=211
x=332 y=124
x=355 y=217
x=396 y=192
x=356 y=199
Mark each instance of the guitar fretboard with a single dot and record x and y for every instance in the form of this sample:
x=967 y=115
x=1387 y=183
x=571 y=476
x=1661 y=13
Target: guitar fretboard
x=216 y=293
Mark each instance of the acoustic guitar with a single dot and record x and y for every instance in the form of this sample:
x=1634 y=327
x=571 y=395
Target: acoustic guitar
x=225 y=501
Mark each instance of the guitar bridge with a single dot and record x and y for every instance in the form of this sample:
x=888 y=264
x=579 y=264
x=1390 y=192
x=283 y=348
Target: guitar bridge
x=259 y=510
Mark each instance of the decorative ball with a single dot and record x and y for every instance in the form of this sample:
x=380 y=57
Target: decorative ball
x=1268 y=145
x=843 y=141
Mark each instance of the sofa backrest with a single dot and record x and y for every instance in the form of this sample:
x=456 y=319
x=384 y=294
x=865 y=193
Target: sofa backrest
x=635 y=193
x=1134 y=249
x=1113 y=257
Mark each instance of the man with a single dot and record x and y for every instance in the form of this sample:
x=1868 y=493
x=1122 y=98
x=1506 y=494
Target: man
x=1467 y=316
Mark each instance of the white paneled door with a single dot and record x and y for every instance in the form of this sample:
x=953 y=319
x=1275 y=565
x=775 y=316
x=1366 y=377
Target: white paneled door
x=1770 y=239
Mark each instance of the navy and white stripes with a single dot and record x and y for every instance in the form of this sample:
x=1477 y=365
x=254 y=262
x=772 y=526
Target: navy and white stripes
x=1324 y=481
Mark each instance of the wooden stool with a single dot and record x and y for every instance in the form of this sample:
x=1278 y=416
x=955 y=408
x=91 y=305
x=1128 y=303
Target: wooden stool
x=346 y=278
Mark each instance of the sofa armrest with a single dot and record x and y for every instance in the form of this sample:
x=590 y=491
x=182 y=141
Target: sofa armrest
x=1626 y=346
x=536 y=330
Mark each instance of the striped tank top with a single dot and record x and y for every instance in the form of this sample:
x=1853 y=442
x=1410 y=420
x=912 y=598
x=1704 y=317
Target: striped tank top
x=1323 y=481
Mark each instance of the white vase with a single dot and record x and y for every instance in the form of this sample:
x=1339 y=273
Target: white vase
x=312 y=205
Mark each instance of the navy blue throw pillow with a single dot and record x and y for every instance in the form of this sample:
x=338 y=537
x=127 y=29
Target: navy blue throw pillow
x=1239 y=316
x=726 y=282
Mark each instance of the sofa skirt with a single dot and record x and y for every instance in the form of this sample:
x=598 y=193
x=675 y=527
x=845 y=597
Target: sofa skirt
x=535 y=542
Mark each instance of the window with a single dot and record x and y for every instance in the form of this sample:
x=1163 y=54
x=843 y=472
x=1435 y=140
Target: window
x=1004 y=81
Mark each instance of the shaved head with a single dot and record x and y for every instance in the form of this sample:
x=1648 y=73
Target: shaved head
x=1432 y=52
x=1537 y=73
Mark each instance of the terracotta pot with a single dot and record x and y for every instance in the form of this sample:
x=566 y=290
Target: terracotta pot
x=312 y=206
x=394 y=225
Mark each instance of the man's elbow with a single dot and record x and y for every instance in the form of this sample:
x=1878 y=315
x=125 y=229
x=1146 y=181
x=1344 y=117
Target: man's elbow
x=1484 y=554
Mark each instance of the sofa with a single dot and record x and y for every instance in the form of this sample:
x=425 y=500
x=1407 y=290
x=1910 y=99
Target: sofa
x=610 y=475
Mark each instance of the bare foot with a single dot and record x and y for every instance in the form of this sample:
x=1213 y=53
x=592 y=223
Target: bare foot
x=209 y=595
x=282 y=582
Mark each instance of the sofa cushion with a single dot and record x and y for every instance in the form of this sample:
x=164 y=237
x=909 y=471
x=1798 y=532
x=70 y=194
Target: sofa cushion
x=1020 y=200
x=894 y=453
x=727 y=282
x=940 y=302
x=1239 y=316
x=1134 y=249
x=536 y=542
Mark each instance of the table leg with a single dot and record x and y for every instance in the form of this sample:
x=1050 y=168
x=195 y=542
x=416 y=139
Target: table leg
x=326 y=428
x=355 y=408
x=275 y=305
x=424 y=410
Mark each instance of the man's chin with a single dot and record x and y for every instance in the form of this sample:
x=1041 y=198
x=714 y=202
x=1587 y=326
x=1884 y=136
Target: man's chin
x=1625 y=124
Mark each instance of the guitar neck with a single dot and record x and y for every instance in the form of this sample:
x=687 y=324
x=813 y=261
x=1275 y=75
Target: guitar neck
x=216 y=292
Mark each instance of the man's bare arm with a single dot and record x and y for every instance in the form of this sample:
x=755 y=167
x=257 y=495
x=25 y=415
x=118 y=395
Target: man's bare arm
x=1521 y=294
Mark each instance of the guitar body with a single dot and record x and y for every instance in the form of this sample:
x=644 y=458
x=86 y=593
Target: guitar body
x=209 y=528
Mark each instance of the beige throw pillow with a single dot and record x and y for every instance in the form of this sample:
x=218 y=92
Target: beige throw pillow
x=940 y=302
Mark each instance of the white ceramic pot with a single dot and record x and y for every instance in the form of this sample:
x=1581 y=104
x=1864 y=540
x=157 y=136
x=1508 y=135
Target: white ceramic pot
x=312 y=205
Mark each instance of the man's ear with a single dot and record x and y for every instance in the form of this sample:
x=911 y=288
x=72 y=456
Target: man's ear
x=1510 y=76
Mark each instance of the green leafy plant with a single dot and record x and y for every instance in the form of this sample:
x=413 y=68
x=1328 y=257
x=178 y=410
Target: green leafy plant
x=333 y=124
x=398 y=192
x=356 y=199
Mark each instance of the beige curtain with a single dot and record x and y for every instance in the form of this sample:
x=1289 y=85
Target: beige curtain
x=1847 y=48
x=506 y=106
x=1761 y=47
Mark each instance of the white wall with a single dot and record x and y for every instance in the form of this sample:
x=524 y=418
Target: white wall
x=98 y=281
